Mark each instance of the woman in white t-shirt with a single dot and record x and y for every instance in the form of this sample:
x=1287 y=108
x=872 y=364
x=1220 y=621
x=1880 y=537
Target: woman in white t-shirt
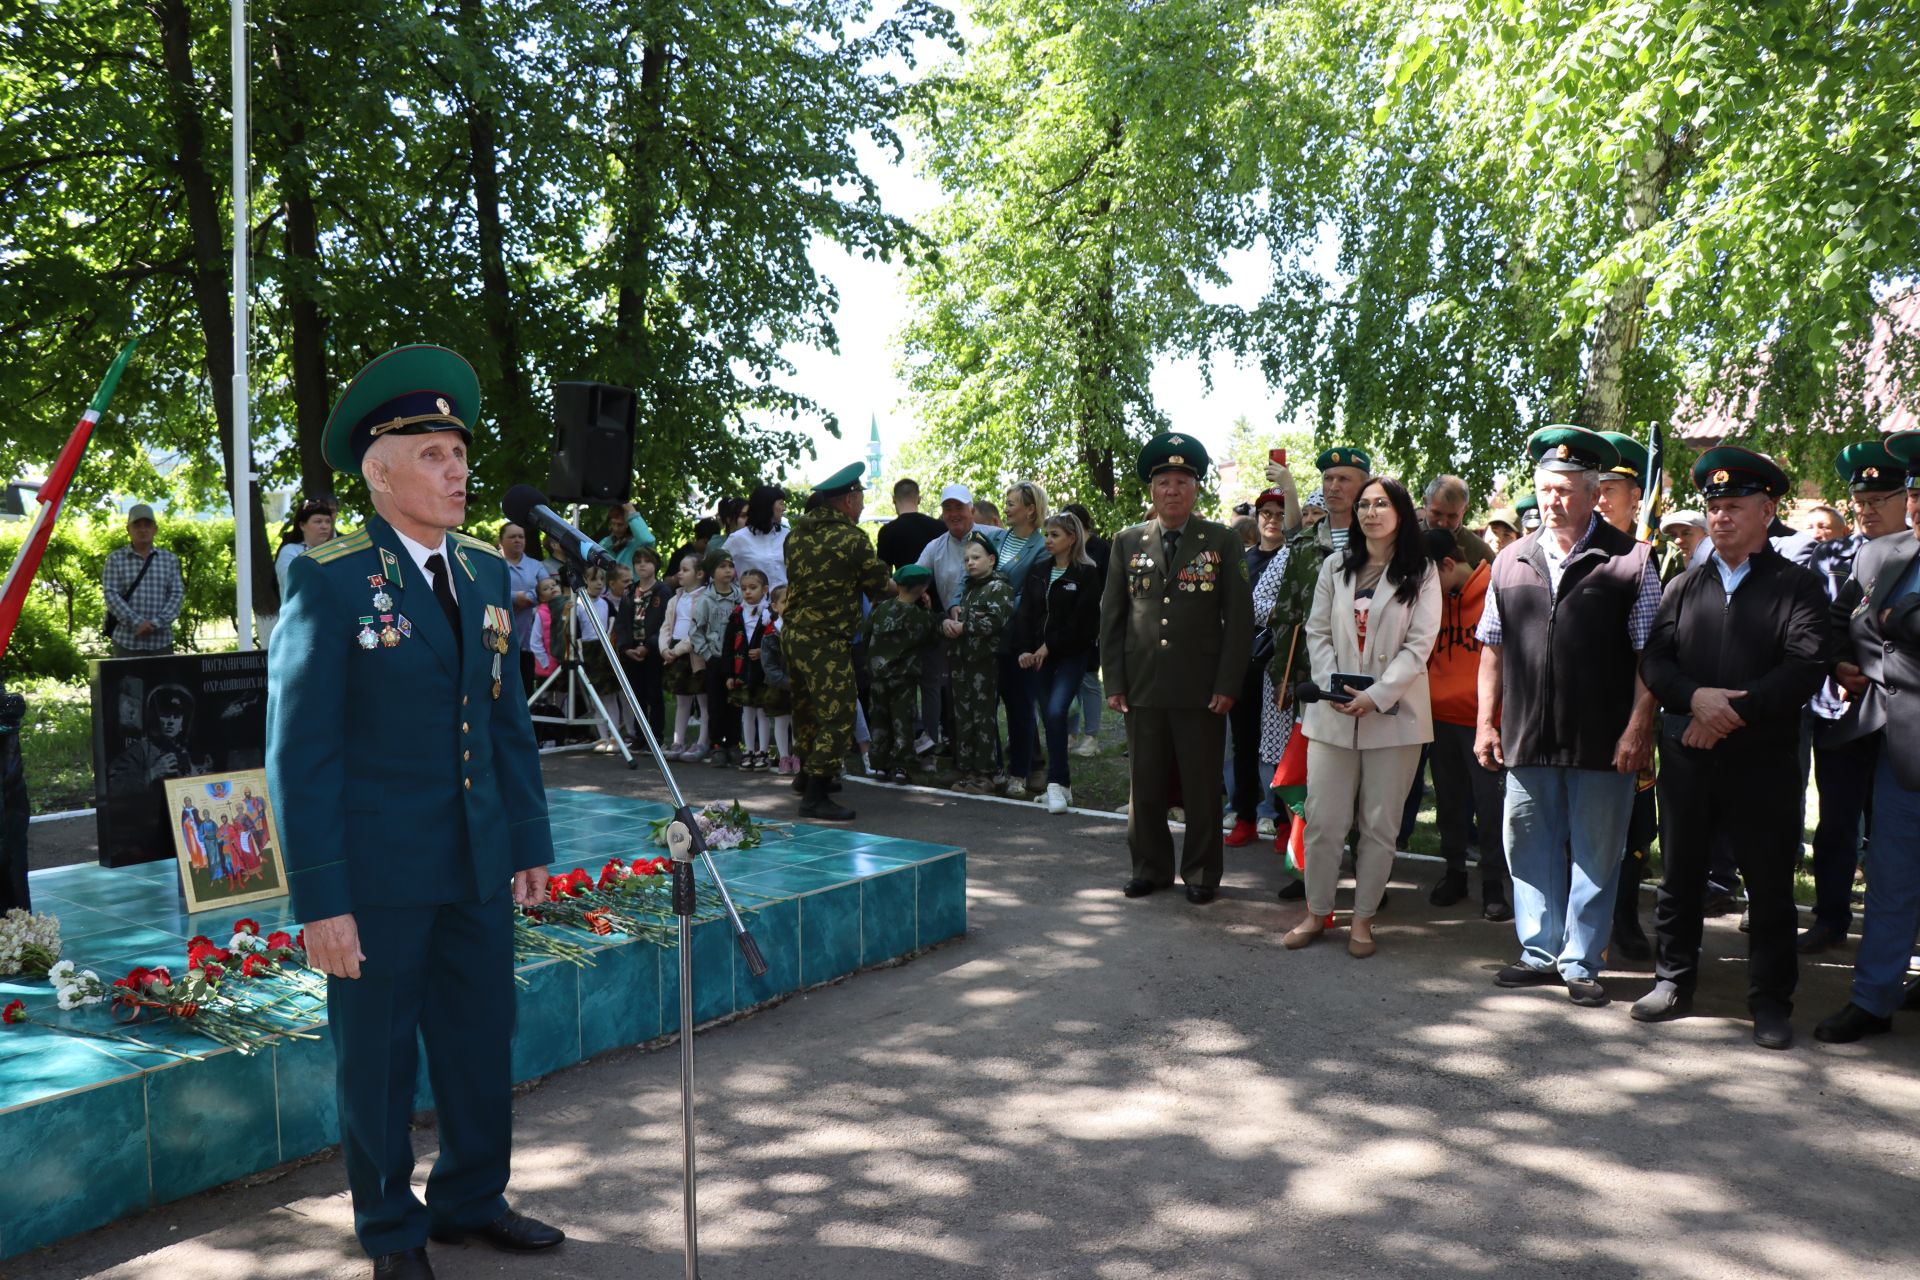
x=762 y=542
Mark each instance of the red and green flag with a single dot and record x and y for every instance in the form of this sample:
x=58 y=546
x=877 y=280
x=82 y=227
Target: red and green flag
x=13 y=593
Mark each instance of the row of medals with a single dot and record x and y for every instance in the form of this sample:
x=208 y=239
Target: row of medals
x=393 y=627
x=1142 y=562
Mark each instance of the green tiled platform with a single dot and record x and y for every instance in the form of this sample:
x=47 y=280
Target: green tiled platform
x=92 y=1131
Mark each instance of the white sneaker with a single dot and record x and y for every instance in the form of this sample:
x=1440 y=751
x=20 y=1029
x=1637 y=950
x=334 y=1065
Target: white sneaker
x=866 y=763
x=1057 y=798
x=1266 y=829
x=1176 y=814
x=1016 y=789
x=923 y=744
x=1087 y=746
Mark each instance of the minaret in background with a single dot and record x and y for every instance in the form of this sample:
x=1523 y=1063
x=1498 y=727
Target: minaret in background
x=874 y=456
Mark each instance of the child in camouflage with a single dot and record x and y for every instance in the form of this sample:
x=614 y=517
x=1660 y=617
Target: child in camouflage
x=973 y=629
x=895 y=634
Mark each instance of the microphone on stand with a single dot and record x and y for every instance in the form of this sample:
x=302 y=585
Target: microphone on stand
x=527 y=507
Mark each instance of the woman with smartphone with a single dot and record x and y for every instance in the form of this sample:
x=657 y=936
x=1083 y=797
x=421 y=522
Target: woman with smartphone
x=1375 y=615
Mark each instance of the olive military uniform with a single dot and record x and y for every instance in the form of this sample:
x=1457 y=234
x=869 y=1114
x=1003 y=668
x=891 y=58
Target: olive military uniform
x=830 y=563
x=894 y=633
x=1176 y=630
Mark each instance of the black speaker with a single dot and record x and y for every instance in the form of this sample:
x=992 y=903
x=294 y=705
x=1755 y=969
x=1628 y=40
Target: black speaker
x=592 y=443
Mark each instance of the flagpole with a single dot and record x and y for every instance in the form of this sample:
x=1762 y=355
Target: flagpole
x=242 y=424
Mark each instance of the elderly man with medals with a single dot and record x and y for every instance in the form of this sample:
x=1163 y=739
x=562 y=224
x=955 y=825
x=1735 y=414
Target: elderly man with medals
x=403 y=768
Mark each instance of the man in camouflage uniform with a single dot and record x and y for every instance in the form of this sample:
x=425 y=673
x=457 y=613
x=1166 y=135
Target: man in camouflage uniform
x=830 y=563
x=896 y=633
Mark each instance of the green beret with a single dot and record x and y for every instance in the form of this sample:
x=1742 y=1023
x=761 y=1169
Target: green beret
x=1730 y=471
x=407 y=392
x=843 y=481
x=1172 y=451
x=1905 y=445
x=1529 y=503
x=1633 y=457
x=1345 y=455
x=1564 y=448
x=1869 y=466
x=912 y=575
x=714 y=559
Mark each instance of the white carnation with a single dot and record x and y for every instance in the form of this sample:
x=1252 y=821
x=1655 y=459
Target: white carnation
x=61 y=973
x=69 y=998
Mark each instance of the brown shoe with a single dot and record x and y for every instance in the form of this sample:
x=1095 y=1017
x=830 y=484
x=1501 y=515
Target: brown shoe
x=1361 y=948
x=1301 y=936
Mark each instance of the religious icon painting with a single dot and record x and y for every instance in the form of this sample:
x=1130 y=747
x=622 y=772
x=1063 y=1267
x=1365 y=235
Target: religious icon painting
x=226 y=839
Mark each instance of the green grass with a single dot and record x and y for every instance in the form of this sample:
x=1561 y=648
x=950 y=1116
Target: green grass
x=56 y=745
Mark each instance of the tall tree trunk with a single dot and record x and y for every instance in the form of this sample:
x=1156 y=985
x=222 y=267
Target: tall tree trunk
x=207 y=277
x=312 y=394
x=1603 y=405
x=640 y=229
x=518 y=431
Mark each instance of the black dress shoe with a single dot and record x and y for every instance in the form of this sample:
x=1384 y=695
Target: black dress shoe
x=513 y=1232
x=1665 y=1001
x=1586 y=991
x=1201 y=894
x=1139 y=888
x=1850 y=1024
x=1819 y=937
x=1717 y=903
x=1771 y=1030
x=1497 y=908
x=1630 y=941
x=1451 y=888
x=408 y=1264
x=1292 y=891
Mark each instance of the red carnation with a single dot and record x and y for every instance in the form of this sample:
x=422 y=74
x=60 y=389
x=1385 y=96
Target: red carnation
x=198 y=940
x=247 y=926
x=159 y=978
x=198 y=951
x=254 y=965
x=555 y=888
x=136 y=979
x=212 y=972
x=300 y=940
x=15 y=1012
x=279 y=941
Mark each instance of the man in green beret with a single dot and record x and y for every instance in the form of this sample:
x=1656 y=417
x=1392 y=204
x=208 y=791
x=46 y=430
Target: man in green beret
x=1844 y=760
x=831 y=563
x=402 y=765
x=1624 y=484
x=1738 y=647
x=1176 y=627
x=897 y=633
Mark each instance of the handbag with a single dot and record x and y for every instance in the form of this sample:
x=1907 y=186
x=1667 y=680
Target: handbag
x=1263 y=648
x=127 y=595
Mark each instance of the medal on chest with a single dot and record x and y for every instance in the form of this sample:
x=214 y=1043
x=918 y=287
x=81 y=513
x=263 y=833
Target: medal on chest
x=367 y=638
x=497 y=636
x=381 y=600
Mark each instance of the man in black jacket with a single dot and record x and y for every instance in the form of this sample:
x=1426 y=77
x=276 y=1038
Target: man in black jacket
x=1739 y=645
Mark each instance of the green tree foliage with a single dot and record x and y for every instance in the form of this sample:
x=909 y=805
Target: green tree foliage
x=558 y=189
x=1093 y=159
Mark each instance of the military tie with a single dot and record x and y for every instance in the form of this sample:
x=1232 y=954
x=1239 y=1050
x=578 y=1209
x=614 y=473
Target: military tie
x=443 y=592
x=1169 y=539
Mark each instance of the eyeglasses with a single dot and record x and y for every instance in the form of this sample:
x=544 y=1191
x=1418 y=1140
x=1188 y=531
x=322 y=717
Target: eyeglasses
x=1882 y=497
x=1269 y=513
x=1378 y=504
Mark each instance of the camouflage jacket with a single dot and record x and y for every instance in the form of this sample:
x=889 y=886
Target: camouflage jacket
x=984 y=606
x=830 y=562
x=1307 y=549
x=895 y=634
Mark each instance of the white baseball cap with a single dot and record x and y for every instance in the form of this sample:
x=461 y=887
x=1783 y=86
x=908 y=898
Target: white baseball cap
x=1684 y=518
x=957 y=493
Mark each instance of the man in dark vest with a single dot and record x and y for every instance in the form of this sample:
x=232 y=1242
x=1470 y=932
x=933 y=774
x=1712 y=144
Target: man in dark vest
x=1176 y=629
x=1562 y=709
x=1739 y=645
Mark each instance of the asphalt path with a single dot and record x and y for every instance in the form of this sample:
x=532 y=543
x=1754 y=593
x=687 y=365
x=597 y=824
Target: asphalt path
x=1093 y=1088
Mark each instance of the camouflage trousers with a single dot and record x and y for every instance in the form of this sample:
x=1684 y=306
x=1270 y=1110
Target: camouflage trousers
x=892 y=707
x=976 y=708
x=820 y=667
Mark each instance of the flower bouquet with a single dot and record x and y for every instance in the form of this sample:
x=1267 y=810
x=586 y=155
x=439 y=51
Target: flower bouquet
x=28 y=943
x=631 y=898
x=722 y=826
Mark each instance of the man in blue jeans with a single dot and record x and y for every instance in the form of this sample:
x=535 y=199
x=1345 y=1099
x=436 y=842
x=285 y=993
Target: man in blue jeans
x=1563 y=710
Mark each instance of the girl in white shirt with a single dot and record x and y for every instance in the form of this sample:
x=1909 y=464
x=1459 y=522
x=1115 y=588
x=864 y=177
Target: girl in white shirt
x=683 y=672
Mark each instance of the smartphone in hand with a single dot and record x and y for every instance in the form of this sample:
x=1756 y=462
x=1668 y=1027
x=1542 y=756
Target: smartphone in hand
x=1278 y=457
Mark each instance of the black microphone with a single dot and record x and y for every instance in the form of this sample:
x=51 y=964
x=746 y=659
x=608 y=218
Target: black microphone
x=527 y=507
x=1308 y=692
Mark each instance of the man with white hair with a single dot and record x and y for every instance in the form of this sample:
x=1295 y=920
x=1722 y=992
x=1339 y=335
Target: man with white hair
x=1563 y=710
x=405 y=778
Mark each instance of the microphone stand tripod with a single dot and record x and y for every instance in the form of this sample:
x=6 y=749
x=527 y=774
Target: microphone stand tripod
x=684 y=844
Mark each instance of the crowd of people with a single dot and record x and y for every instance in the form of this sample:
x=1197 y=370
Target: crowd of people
x=1303 y=674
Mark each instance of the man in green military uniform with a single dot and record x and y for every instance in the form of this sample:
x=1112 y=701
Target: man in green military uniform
x=402 y=764
x=1343 y=470
x=1176 y=627
x=896 y=633
x=830 y=564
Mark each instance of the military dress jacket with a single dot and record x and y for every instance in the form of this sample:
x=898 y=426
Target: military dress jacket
x=830 y=563
x=1176 y=633
x=403 y=770
x=1887 y=652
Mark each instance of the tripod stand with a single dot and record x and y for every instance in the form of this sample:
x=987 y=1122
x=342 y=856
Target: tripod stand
x=684 y=844
x=579 y=688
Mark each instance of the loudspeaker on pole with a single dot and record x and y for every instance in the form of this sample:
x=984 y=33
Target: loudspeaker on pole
x=592 y=443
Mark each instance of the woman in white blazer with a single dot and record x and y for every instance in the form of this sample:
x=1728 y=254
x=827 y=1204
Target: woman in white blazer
x=1376 y=612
